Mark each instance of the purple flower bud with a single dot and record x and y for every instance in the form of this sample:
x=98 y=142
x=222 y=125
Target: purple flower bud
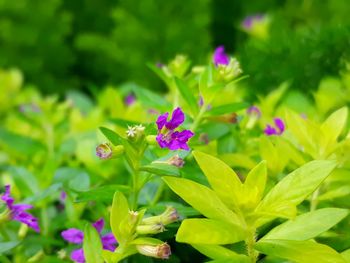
x=104 y=151
x=150 y=229
x=177 y=161
x=162 y=251
x=167 y=136
x=204 y=138
x=277 y=130
x=63 y=196
x=130 y=99
x=254 y=111
x=249 y=21
x=220 y=57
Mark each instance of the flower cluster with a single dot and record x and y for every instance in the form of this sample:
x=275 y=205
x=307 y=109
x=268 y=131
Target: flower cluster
x=227 y=68
x=167 y=136
x=18 y=211
x=76 y=236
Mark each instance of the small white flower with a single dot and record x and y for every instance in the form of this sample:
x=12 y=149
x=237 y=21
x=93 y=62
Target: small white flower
x=131 y=132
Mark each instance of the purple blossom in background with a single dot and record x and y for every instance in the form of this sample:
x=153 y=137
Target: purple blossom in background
x=17 y=211
x=130 y=99
x=167 y=136
x=248 y=22
x=277 y=130
x=159 y=65
x=76 y=236
x=220 y=57
x=254 y=111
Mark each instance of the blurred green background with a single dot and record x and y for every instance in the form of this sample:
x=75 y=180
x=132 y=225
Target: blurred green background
x=87 y=44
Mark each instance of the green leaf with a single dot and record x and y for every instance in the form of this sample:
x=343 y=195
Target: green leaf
x=220 y=252
x=295 y=187
x=256 y=178
x=221 y=177
x=113 y=137
x=92 y=245
x=120 y=210
x=161 y=169
x=187 y=95
x=202 y=199
x=335 y=123
x=346 y=255
x=308 y=225
x=20 y=144
x=6 y=246
x=299 y=251
x=150 y=99
x=208 y=231
x=228 y=108
x=147 y=241
x=160 y=73
x=24 y=180
x=103 y=193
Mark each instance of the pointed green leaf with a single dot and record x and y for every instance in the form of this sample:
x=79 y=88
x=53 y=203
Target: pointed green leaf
x=202 y=199
x=6 y=246
x=334 y=124
x=228 y=108
x=120 y=210
x=92 y=245
x=296 y=186
x=220 y=252
x=256 y=178
x=299 y=251
x=187 y=94
x=346 y=255
x=161 y=169
x=308 y=225
x=221 y=177
x=102 y=193
x=208 y=231
x=112 y=136
x=160 y=73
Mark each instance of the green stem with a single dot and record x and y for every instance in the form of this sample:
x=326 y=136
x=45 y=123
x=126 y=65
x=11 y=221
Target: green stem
x=198 y=118
x=136 y=190
x=250 y=242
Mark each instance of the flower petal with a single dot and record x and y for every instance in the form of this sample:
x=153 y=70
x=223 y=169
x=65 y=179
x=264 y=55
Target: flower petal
x=269 y=130
x=78 y=256
x=6 y=197
x=220 y=56
x=73 y=235
x=162 y=120
x=177 y=118
x=27 y=219
x=280 y=125
x=99 y=224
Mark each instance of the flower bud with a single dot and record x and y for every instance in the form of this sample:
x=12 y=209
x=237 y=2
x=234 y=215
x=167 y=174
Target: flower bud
x=23 y=230
x=169 y=216
x=105 y=151
x=149 y=229
x=229 y=72
x=176 y=160
x=151 y=139
x=179 y=65
x=156 y=251
x=135 y=133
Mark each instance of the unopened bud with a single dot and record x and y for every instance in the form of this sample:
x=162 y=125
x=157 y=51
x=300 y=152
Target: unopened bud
x=170 y=215
x=149 y=229
x=229 y=72
x=105 y=151
x=176 y=160
x=151 y=140
x=23 y=230
x=162 y=251
x=136 y=132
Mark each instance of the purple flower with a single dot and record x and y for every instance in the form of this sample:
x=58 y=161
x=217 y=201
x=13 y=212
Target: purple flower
x=249 y=21
x=130 y=99
x=76 y=236
x=17 y=211
x=254 y=111
x=167 y=136
x=220 y=57
x=277 y=130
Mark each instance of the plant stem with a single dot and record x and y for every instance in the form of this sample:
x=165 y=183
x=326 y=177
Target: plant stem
x=136 y=190
x=250 y=242
x=198 y=118
x=314 y=200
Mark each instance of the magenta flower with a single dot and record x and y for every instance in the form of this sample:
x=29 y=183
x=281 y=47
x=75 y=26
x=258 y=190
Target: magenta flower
x=220 y=57
x=167 y=136
x=76 y=236
x=18 y=211
x=130 y=99
x=254 y=111
x=277 y=130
